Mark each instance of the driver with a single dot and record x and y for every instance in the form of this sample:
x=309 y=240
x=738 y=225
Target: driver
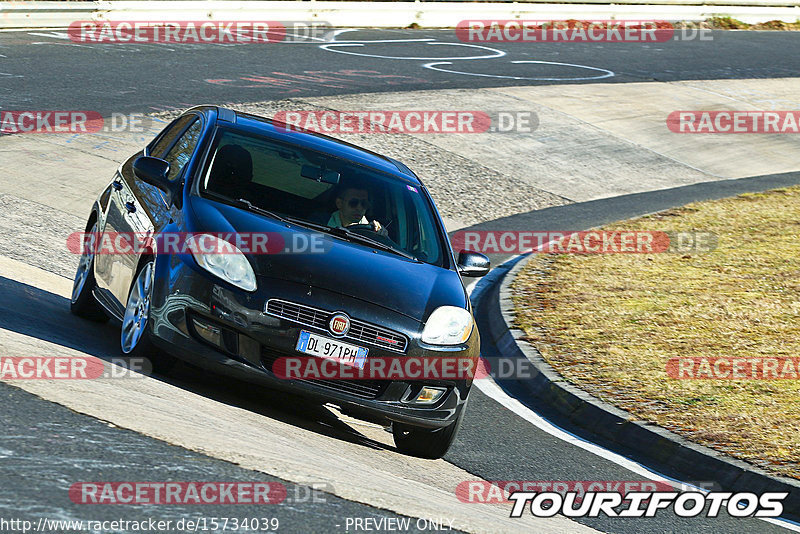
x=353 y=203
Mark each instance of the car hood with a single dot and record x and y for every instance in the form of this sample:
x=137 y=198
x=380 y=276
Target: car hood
x=349 y=269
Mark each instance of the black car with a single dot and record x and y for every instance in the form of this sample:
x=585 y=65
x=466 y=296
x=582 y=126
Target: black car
x=382 y=286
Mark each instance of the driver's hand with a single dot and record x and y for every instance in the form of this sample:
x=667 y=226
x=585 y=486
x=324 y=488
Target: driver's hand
x=380 y=229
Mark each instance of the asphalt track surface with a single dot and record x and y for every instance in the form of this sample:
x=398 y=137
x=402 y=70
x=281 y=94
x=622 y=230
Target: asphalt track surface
x=45 y=70
x=45 y=446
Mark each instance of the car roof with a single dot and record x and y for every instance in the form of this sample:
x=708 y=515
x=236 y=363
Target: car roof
x=315 y=141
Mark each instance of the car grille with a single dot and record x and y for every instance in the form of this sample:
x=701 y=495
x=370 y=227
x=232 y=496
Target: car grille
x=298 y=313
x=366 y=389
x=359 y=330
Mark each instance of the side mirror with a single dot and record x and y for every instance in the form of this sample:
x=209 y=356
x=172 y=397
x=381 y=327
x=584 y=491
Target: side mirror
x=473 y=264
x=154 y=171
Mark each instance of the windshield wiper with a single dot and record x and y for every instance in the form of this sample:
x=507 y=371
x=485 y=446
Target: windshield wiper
x=375 y=243
x=309 y=224
x=261 y=211
x=352 y=236
x=244 y=203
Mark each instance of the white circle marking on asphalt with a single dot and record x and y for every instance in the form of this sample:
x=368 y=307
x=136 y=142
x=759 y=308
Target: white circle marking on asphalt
x=607 y=73
x=494 y=53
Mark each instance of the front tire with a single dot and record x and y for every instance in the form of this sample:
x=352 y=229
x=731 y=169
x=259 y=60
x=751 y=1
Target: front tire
x=424 y=442
x=83 y=303
x=135 y=339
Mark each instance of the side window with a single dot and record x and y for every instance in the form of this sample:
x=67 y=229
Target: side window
x=171 y=132
x=182 y=151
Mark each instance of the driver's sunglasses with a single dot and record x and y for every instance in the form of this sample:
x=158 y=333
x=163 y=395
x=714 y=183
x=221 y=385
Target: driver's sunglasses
x=354 y=202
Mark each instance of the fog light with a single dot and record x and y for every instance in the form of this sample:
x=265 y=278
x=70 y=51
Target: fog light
x=430 y=395
x=208 y=332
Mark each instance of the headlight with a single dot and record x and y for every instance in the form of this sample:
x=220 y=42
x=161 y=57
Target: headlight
x=448 y=325
x=224 y=260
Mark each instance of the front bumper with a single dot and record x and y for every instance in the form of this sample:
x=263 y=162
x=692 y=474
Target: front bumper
x=250 y=341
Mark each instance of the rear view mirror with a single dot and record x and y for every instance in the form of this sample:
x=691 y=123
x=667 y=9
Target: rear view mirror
x=319 y=174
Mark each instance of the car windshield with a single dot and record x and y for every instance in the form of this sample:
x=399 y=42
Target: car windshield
x=324 y=192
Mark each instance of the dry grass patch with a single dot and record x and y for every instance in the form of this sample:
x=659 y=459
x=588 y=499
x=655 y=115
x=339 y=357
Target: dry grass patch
x=729 y=23
x=610 y=322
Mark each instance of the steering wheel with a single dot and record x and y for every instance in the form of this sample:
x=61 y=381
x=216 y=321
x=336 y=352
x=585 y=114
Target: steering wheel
x=369 y=231
x=361 y=227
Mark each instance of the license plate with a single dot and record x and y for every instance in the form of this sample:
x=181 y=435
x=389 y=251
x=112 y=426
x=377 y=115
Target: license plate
x=332 y=349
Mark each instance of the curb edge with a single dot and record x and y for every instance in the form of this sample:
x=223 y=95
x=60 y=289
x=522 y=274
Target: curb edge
x=598 y=417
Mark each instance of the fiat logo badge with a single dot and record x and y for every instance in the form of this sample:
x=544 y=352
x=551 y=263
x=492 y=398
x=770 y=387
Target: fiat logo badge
x=339 y=325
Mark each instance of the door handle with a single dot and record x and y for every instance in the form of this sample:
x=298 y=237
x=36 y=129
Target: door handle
x=116 y=185
x=130 y=207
